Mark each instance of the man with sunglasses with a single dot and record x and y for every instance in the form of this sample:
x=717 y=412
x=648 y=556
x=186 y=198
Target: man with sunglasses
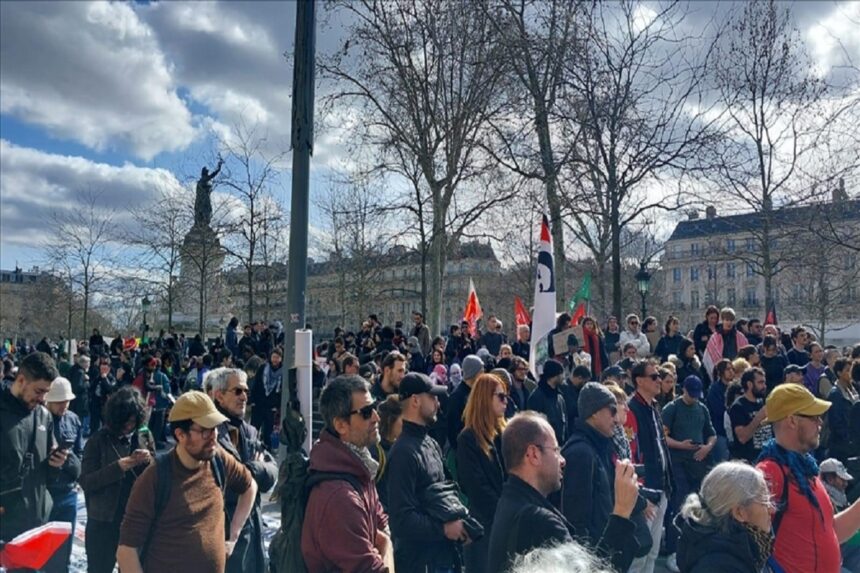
x=588 y=498
x=345 y=527
x=807 y=532
x=229 y=388
x=188 y=533
x=649 y=448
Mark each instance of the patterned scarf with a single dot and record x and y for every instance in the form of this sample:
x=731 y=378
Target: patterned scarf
x=366 y=459
x=762 y=541
x=271 y=379
x=802 y=466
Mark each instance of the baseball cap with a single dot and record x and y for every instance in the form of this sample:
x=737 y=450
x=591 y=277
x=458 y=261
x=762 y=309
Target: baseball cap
x=416 y=383
x=834 y=466
x=197 y=407
x=788 y=399
x=693 y=385
x=61 y=391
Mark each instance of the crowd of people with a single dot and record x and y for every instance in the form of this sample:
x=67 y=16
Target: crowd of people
x=730 y=448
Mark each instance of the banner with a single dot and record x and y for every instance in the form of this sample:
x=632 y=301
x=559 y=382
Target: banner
x=543 y=319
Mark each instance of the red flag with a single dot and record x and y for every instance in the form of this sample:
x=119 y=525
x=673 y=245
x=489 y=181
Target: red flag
x=33 y=548
x=520 y=312
x=578 y=314
x=473 y=310
x=771 y=314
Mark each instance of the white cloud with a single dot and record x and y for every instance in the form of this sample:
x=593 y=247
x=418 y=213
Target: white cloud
x=834 y=40
x=90 y=72
x=35 y=184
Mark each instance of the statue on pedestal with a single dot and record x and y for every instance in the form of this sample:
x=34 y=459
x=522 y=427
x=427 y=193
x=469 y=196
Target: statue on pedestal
x=203 y=200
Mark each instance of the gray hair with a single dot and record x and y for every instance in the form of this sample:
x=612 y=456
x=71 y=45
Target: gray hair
x=565 y=558
x=727 y=486
x=219 y=378
x=336 y=398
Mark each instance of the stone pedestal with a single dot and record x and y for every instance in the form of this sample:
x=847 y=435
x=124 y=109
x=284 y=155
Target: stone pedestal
x=200 y=279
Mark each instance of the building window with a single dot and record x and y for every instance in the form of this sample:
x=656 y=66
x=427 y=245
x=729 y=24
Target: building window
x=730 y=245
x=712 y=272
x=694 y=299
x=750 y=270
x=730 y=296
x=752 y=298
x=694 y=249
x=694 y=274
x=750 y=244
x=676 y=275
x=676 y=297
x=730 y=270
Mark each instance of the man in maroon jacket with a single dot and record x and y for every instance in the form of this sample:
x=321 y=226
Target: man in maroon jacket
x=346 y=529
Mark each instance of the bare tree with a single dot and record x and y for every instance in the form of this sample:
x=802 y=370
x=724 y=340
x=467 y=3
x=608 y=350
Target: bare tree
x=778 y=113
x=80 y=248
x=422 y=75
x=250 y=171
x=636 y=110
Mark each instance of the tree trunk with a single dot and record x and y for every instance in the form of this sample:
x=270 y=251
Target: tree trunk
x=438 y=245
x=616 y=261
x=250 y=294
x=86 y=307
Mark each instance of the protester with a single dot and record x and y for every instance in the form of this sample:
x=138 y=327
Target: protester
x=473 y=367
x=722 y=375
x=726 y=527
x=807 y=533
x=68 y=436
x=28 y=458
x=80 y=380
x=239 y=439
x=421 y=331
x=564 y=558
x=798 y=354
x=747 y=414
x=393 y=370
x=345 y=529
x=569 y=389
x=594 y=344
x=100 y=390
x=520 y=391
x=265 y=397
x=773 y=362
x=670 y=342
x=632 y=335
x=113 y=459
x=843 y=397
x=525 y=519
x=415 y=463
x=667 y=387
x=390 y=426
x=548 y=400
x=189 y=534
x=648 y=445
x=480 y=467
x=836 y=480
x=522 y=347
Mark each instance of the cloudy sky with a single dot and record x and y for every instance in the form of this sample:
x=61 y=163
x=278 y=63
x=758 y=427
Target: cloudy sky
x=123 y=99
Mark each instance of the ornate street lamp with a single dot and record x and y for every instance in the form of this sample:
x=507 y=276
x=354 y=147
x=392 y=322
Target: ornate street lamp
x=643 y=278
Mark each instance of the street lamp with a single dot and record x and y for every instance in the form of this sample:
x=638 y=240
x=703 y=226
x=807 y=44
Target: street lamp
x=643 y=278
x=144 y=304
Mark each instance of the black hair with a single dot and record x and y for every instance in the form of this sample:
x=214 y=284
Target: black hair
x=336 y=398
x=581 y=372
x=38 y=366
x=748 y=377
x=183 y=425
x=122 y=405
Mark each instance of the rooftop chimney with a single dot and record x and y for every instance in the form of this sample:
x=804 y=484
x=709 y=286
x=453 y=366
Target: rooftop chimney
x=839 y=193
x=692 y=214
x=710 y=212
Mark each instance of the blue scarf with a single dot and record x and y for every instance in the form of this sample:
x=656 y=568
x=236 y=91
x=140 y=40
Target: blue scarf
x=802 y=466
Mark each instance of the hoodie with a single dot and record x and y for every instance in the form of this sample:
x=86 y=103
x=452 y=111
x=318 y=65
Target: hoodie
x=340 y=525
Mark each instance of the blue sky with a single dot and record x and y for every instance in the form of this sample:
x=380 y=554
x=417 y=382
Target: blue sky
x=124 y=98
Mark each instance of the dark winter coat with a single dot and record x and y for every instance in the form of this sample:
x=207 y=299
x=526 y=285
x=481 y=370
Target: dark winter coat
x=454 y=408
x=525 y=519
x=648 y=438
x=549 y=402
x=81 y=389
x=481 y=476
x=668 y=345
x=68 y=433
x=708 y=550
x=414 y=464
x=23 y=479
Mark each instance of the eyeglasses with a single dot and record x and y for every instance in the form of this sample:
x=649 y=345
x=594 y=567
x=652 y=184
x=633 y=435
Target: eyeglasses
x=633 y=323
x=239 y=391
x=501 y=396
x=654 y=377
x=817 y=419
x=366 y=412
x=542 y=447
x=205 y=433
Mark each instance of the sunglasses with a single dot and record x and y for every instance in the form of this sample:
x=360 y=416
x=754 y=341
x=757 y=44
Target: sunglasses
x=654 y=377
x=239 y=391
x=633 y=323
x=367 y=411
x=501 y=396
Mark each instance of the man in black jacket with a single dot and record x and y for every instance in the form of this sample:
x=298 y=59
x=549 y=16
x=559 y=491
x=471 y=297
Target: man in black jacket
x=28 y=459
x=588 y=499
x=473 y=366
x=525 y=519
x=414 y=464
x=547 y=399
x=239 y=439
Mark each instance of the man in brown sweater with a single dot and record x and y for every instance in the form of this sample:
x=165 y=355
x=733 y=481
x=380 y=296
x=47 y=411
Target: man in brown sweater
x=189 y=533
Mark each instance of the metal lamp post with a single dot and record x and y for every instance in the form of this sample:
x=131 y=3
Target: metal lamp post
x=643 y=278
x=144 y=304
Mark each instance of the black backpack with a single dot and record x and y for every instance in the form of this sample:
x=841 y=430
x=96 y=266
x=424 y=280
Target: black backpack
x=163 y=483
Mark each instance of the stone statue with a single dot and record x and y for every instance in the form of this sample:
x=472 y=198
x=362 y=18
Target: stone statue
x=203 y=200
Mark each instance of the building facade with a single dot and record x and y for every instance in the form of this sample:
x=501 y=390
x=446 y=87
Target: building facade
x=720 y=260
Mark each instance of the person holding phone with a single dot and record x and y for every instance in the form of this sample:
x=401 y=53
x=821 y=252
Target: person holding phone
x=68 y=435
